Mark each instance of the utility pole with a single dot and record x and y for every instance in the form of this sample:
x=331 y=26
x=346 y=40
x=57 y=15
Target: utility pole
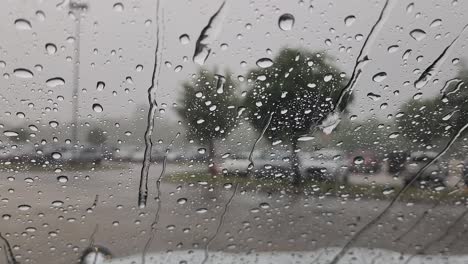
x=78 y=8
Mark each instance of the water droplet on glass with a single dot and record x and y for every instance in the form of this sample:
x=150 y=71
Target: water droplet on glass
x=379 y=77
x=24 y=207
x=182 y=200
x=393 y=48
x=201 y=150
x=54 y=82
x=118 y=7
x=436 y=23
x=40 y=15
x=56 y=155
x=97 y=108
x=349 y=20
x=358 y=160
x=417 y=96
x=51 y=48
x=100 y=86
x=264 y=205
x=23 y=73
x=201 y=210
x=373 y=96
x=62 y=179
x=23 y=24
x=264 y=63
x=184 y=39
x=286 y=22
x=418 y=34
x=10 y=133
x=57 y=203
x=139 y=68
x=394 y=135
x=53 y=124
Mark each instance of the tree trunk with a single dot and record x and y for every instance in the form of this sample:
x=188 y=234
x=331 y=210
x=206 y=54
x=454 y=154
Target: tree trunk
x=214 y=169
x=295 y=163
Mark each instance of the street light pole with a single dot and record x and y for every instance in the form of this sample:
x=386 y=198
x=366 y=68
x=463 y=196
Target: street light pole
x=80 y=7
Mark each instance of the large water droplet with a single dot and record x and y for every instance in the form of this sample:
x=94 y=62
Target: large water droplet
x=22 y=24
x=358 y=160
x=54 y=82
x=100 y=86
x=184 y=39
x=10 y=133
x=24 y=207
x=23 y=73
x=118 y=7
x=264 y=63
x=349 y=20
x=182 y=200
x=51 y=48
x=56 y=155
x=379 y=77
x=62 y=179
x=418 y=34
x=286 y=22
x=97 y=108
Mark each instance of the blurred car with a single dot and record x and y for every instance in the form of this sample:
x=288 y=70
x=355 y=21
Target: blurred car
x=434 y=175
x=364 y=161
x=324 y=165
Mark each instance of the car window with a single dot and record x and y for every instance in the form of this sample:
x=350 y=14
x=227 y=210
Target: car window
x=222 y=131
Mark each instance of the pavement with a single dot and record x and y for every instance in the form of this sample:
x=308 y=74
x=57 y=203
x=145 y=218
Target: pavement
x=47 y=220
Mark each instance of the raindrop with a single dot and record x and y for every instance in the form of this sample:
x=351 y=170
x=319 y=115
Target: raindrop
x=349 y=20
x=97 y=108
x=393 y=48
x=51 y=48
x=62 y=179
x=305 y=138
x=118 y=7
x=24 y=207
x=358 y=160
x=436 y=23
x=286 y=22
x=202 y=150
x=57 y=203
x=53 y=124
x=394 y=135
x=264 y=205
x=379 y=77
x=184 y=39
x=40 y=15
x=327 y=77
x=264 y=63
x=139 y=68
x=56 y=155
x=100 y=86
x=182 y=200
x=201 y=210
x=23 y=73
x=418 y=34
x=417 y=96
x=10 y=133
x=373 y=96
x=54 y=82
x=23 y=24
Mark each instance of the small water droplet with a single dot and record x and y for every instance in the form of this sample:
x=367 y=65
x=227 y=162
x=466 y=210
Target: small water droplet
x=379 y=77
x=10 y=133
x=181 y=200
x=118 y=7
x=23 y=73
x=264 y=63
x=24 y=207
x=349 y=20
x=202 y=150
x=264 y=205
x=201 y=210
x=418 y=34
x=51 y=48
x=22 y=24
x=62 y=179
x=184 y=39
x=394 y=135
x=97 y=108
x=436 y=23
x=57 y=203
x=54 y=82
x=286 y=22
x=56 y=155
x=53 y=124
x=373 y=96
x=358 y=160
x=100 y=86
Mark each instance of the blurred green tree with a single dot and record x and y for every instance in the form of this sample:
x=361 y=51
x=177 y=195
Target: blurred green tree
x=298 y=91
x=208 y=107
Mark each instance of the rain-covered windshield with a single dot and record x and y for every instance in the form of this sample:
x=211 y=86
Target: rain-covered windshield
x=222 y=131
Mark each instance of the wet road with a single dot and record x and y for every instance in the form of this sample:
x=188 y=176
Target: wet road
x=59 y=218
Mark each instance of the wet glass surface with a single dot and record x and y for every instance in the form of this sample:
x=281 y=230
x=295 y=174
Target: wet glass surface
x=233 y=132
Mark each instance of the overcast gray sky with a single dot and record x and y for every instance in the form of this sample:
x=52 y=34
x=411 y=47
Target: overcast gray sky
x=114 y=41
